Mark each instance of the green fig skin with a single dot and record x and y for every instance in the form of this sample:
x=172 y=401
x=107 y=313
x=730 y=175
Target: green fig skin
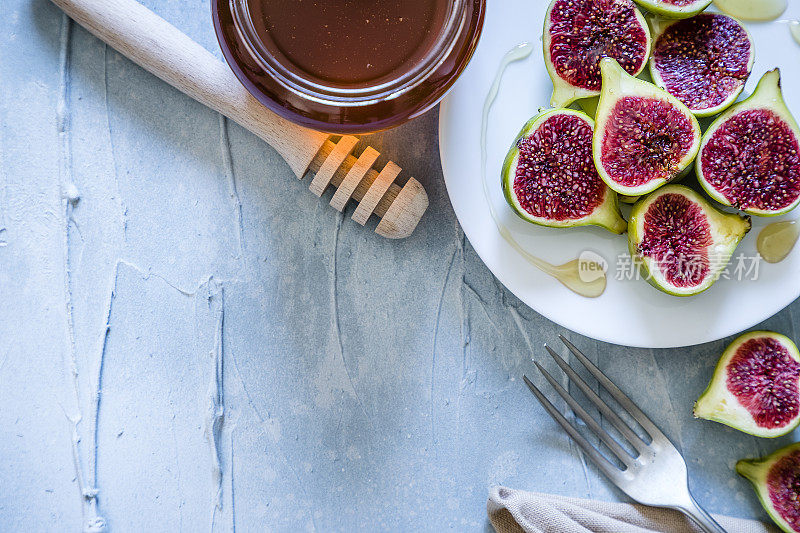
x=663 y=9
x=727 y=228
x=718 y=405
x=589 y=105
x=756 y=471
x=606 y=216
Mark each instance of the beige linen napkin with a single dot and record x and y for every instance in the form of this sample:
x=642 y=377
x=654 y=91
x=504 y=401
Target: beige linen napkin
x=517 y=511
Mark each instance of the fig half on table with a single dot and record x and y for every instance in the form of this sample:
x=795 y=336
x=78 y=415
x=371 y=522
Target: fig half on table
x=756 y=386
x=776 y=480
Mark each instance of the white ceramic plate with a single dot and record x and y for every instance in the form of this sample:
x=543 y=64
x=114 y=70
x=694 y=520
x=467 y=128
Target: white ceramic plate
x=630 y=312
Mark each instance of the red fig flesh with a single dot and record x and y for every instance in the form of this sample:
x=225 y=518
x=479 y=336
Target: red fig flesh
x=756 y=386
x=704 y=61
x=776 y=479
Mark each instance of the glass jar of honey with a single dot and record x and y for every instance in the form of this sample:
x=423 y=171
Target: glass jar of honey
x=348 y=66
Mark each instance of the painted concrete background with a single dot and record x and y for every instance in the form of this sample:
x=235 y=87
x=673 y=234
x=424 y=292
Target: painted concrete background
x=192 y=341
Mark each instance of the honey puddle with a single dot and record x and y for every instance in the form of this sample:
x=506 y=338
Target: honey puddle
x=776 y=240
x=756 y=10
x=581 y=276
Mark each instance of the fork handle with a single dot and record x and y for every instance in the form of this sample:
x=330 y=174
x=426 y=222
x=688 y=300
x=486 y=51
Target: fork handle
x=699 y=515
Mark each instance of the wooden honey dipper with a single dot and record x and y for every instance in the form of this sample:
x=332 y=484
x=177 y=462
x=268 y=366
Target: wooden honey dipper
x=163 y=50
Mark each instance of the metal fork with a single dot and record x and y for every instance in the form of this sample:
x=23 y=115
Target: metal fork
x=656 y=474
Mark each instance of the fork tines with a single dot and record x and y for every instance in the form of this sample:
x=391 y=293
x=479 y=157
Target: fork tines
x=624 y=429
x=655 y=473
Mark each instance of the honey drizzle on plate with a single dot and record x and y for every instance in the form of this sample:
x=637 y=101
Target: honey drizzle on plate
x=776 y=240
x=755 y=10
x=569 y=274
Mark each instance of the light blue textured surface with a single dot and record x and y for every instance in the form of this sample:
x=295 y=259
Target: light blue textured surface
x=366 y=384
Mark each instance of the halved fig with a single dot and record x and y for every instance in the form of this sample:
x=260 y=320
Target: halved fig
x=682 y=243
x=644 y=136
x=776 y=479
x=704 y=61
x=750 y=155
x=756 y=386
x=549 y=178
x=674 y=9
x=579 y=33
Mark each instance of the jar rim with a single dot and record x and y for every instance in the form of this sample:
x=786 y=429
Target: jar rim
x=457 y=22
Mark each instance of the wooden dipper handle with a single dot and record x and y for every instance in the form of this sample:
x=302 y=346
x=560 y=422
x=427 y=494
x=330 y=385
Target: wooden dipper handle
x=163 y=50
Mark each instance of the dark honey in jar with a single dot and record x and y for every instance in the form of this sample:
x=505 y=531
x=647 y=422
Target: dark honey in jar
x=348 y=66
